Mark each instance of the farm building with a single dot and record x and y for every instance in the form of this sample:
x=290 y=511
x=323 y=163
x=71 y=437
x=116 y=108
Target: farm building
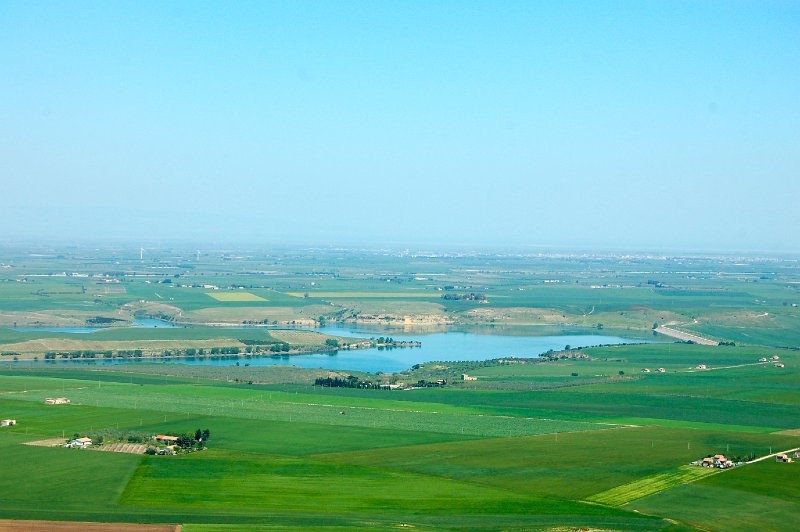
x=57 y=401
x=8 y=422
x=783 y=457
x=80 y=443
x=163 y=438
x=718 y=461
x=701 y=366
x=779 y=365
x=645 y=370
x=661 y=370
x=466 y=377
x=775 y=357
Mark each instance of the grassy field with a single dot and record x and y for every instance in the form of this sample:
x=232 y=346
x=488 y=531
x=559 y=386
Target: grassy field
x=440 y=458
x=586 y=441
x=234 y=296
x=762 y=496
x=363 y=295
x=643 y=487
x=269 y=460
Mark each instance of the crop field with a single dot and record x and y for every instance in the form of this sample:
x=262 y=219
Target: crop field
x=594 y=438
x=647 y=486
x=234 y=296
x=363 y=295
x=267 y=443
x=761 y=496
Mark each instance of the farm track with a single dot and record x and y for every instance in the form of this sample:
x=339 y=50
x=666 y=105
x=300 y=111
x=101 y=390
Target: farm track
x=729 y=367
x=773 y=455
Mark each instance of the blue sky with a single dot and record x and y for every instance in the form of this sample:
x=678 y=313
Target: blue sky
x=659 y=125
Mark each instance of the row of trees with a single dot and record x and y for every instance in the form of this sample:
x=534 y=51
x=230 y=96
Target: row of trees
x=350 y=382
x=472 y=296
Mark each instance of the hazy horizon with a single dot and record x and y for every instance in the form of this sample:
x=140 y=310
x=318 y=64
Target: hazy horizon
x=575 y=125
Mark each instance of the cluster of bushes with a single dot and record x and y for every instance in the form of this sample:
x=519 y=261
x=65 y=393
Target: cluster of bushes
x=52 y=355
x=472 y=296
x=430 y=384
x=114 y=436
x=100 y=320
x=281 y=347
x=187 y=442
x=350 y=382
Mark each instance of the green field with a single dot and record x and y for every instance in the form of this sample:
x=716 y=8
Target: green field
x=234 y=296
x=586 y=439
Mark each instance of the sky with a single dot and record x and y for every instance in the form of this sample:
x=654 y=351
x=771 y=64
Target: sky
x=653 y=125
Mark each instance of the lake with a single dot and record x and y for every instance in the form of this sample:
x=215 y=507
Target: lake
x=472 y=344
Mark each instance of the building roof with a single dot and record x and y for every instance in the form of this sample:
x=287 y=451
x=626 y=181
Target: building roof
x=83 y=440
x=166 y=438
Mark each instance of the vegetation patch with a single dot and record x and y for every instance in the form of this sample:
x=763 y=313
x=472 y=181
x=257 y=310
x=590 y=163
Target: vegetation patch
x=637 y=489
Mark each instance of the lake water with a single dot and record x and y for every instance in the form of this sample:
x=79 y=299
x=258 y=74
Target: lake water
x=143 y=323
x=442 y=346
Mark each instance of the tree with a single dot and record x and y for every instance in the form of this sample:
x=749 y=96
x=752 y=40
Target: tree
x=206 y=434
x=198 y=435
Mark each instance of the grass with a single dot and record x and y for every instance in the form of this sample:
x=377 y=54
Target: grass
x=761 y=496
x=518 y=449
x=364 y=295
x=276 y=470
x=66 y=478
x=573 y=465
x=637 y=489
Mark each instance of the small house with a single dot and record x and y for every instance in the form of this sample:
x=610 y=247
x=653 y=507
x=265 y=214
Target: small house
x=8 y=422
x=466 y=377
x=80 y=443
x=707 y=462
x=775 y=357
x=701 y=366
x=783 y=457
x=779 y=365
x=56 y=401
x=661 y=370
x=645 y=370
